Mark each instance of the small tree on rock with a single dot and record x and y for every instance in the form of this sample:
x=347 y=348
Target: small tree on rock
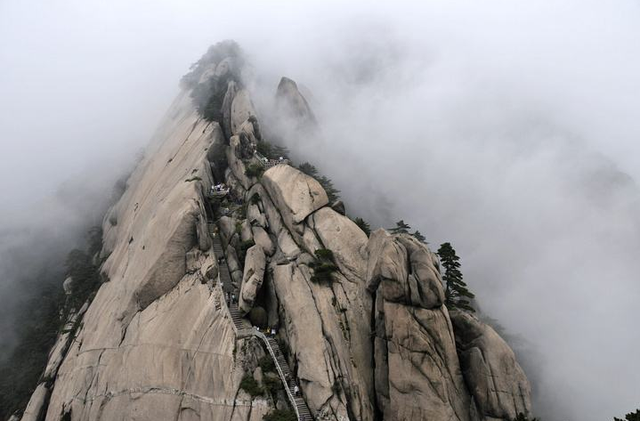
x=418 y=236
x=364 y=226
x=457 y=293
x=400 y=228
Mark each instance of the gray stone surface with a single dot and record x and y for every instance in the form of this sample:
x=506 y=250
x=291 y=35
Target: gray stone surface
x=254 y=266
x=495 y=379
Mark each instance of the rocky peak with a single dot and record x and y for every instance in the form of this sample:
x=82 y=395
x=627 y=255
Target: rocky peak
x=361 y=328
x=293 y=105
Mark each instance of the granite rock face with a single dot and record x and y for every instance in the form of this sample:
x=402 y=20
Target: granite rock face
x=495 y=379
x=415 y=349
x=156 y=341
x=295 y=194
x=372 y=341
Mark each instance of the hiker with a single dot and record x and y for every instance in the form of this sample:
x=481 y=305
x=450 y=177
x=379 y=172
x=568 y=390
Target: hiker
x=273 y=331
x=296 y=390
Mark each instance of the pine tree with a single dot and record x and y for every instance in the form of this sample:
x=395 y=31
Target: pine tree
x=632 y=416
x=456 y=292
x=400 y=228
x=364 y=226
x=308 y=169
x=418 y=236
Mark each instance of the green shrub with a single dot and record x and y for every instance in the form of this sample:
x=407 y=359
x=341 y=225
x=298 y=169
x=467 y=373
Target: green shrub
x=255 y=198
x=324 y=254
x=254 y=170
x=308 y=169
x=267 y=364
x=632 y=416
x=323 y=267
x=218 y=158
x=272 y=385
x=41 y=318
x=271 y=151
x=251 y=386
x=364 y=226
x=280 y=415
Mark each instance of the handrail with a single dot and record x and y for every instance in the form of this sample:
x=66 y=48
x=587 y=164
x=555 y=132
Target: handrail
x=282 y=376
x=264 y=338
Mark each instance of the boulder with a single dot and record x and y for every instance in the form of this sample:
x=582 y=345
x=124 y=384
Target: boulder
x=241 y=109
x=295 y=194
x=255 y=217
x=344 y=238
x=262 y=239
x=414 y=346
x=254 y=266
x=494 y=377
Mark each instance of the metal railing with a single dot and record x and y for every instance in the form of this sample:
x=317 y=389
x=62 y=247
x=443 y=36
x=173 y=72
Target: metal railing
x=274 y=357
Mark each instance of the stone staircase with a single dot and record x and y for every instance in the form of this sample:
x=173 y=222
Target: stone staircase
x=300 y=406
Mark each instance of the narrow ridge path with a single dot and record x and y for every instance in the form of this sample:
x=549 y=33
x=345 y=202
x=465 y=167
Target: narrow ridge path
x=300 y=406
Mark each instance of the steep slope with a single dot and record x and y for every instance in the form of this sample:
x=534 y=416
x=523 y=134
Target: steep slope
x=361 y=320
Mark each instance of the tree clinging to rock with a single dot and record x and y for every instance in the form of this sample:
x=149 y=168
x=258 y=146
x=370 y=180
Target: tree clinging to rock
x=457 y=293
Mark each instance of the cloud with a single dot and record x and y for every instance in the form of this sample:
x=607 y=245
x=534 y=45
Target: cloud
x=506 y=128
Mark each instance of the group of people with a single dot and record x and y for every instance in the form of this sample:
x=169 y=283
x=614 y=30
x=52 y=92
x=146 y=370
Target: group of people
x=269 y=331
x=231 y=298
x=219 y=188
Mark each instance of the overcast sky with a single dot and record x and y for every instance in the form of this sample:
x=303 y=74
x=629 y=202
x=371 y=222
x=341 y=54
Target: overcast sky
x=507 y=128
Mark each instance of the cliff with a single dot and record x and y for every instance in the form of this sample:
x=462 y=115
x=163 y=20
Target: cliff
x=361 y=326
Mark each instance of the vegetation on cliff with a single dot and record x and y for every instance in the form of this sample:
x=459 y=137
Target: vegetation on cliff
x=457 y=294
x=43 y=318
x=631 y=416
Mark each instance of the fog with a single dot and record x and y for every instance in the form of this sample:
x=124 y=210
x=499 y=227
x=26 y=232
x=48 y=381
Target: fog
x=508 y=129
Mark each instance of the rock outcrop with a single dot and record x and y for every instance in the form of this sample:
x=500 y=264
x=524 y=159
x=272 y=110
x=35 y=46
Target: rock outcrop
x=495 y=379
x=293 y=105
x=370 y=340
x=254 y=266
x=415 y=350
x=295 y=194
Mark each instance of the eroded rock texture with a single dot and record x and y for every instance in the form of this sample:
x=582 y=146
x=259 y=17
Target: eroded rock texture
x=372 y=341
x=417 y=370
x=495 y=379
